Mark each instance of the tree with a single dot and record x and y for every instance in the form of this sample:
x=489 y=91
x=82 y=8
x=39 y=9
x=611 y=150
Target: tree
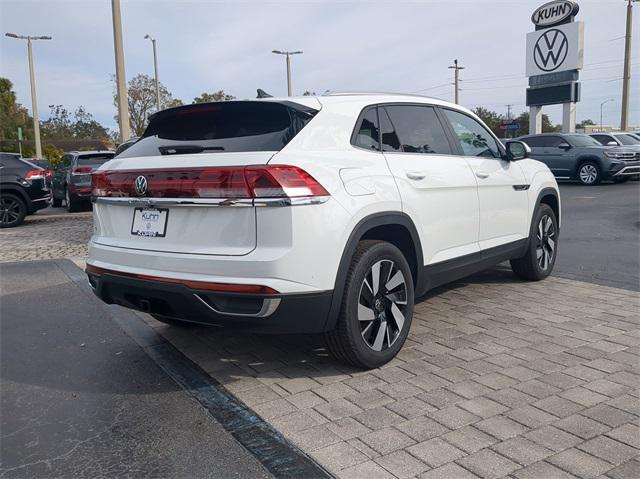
x=13 y=116
x=492 y=119
x=584 y=123
x=63 y=125
x=309 y=93
x=53 y=154
x=547 y=126
x=216 y=96
x=141 y=98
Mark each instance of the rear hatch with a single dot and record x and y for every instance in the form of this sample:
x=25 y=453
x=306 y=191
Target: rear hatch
x=188 y=185
x=86 y=164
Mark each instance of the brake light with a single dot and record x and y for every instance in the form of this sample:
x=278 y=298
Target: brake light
x=34 y=174
x=83 y=170
x=257 y=181
x=48 y=173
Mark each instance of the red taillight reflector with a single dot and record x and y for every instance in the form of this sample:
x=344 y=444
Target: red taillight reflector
x=197 y=285
x=82 y=170
x=257 y=181
x=33 y=174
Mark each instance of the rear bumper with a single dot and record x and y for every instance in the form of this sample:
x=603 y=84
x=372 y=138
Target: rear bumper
x=257 y=313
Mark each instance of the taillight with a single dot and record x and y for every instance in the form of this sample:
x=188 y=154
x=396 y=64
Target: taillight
x=82 y=170
x=48 y=173
x=257 y=181
x=34 y=174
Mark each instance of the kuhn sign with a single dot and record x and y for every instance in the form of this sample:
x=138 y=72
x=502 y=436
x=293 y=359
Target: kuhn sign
x=553 y=13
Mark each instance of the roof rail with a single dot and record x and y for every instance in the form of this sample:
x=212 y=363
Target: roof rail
x=361 y=92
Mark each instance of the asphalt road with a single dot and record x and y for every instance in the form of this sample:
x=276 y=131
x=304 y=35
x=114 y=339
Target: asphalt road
x=600 y=234
x=81 y=399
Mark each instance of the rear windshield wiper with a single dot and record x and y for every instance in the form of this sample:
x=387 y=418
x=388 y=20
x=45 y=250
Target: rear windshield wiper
x=186 y=149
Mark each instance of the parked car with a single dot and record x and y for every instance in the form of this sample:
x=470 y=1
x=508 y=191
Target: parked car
x=322 y=214
x=617 y=139
x=72 y=178
x=578 y=156
x=23 y=189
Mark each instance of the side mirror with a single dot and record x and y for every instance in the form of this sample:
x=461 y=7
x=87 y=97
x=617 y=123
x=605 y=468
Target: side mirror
x=564 y=146
x=517 y=150
x=611 y=143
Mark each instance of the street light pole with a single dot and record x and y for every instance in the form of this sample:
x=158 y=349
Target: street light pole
x=626 y=77
x=32 y=78
x=155 y=67
x=288 y=55
x=121 y=82
x=601 y=105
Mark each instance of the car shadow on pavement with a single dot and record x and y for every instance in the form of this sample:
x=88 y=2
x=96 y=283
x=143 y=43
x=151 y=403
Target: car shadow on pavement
x=231 y=356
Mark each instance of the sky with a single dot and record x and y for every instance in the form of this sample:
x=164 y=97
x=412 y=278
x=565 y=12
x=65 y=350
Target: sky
x=399 y=46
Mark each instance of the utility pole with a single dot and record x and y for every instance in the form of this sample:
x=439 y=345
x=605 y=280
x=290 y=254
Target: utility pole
x=626 y=78
x=32 y=78
x=509 y=105
x=456 y=79
x=287 y=54
x=155 y=67
x=121 y=81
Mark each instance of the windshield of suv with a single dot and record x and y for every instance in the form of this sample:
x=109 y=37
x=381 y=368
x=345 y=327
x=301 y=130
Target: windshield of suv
x=627 y=139
x=230 y=126
x=583 y=140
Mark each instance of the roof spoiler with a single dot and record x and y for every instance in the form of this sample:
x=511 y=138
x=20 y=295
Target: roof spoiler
x=263 y=94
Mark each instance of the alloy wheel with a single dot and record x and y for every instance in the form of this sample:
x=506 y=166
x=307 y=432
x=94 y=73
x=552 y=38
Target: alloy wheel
x=382 y=304
x=588 y=174
x=9 y=210
x=546 y=245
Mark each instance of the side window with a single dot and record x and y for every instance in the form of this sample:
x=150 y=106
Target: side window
x=419 y=129
x=534 y=141
x=390 y=141
x=602 y=139
x=553 y=141
x=367 y=133
x=474 y=138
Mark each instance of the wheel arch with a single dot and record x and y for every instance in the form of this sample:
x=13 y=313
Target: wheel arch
x=585 y=158
x=17 y=191
x=550 y=196
x=394 y=227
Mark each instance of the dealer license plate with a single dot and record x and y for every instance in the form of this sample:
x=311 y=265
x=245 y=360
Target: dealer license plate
x=151 y=222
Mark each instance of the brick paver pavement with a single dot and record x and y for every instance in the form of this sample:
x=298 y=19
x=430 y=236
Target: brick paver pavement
x=498 y=378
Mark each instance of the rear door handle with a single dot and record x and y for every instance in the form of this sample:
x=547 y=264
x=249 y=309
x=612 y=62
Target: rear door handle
x=415 y=175
x=482 y=174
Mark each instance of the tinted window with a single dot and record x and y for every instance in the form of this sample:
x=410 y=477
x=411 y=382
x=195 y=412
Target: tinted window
x=368 y=133
x=627 y=139
x=418 y=129
x=94 y=159
x=602 y=139
x=390 y=141
x=474 y=139
x=225 y=126
x=582 y=140
x=532 y=141
x=553 y=141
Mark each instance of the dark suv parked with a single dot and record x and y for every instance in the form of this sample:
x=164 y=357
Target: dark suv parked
x=72 y=179
x=23 y=189
x=578 y=156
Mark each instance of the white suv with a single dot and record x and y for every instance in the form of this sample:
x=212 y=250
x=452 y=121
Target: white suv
x=321 y=214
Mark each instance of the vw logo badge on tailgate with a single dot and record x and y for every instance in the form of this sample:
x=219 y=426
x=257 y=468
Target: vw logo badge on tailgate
x=141 y=185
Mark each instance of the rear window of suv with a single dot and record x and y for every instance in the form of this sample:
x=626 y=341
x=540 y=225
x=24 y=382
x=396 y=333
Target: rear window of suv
x=94 y=159
x=232 y=126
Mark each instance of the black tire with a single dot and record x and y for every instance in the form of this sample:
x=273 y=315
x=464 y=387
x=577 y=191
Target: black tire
x=532 y=267
x=356 y=341
x=173 y=322
x=73 y=204
x=12 y=210
x=589 y=173
x=56 y=202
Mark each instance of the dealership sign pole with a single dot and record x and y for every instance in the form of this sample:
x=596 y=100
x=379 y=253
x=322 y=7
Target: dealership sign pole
x=555 y=52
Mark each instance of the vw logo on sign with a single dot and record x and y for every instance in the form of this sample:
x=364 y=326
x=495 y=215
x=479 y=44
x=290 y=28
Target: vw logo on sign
x=550 y=50
x=141 y=185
